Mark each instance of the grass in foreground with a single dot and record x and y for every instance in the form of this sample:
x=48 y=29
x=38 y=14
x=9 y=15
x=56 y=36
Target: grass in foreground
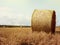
x=25 y=36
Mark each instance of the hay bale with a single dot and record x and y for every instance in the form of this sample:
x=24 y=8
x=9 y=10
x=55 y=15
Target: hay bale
x=43 y=20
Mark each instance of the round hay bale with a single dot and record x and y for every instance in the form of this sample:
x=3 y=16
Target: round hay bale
x=43 y=20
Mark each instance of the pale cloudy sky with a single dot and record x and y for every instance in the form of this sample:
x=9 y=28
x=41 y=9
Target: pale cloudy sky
x=19 y=12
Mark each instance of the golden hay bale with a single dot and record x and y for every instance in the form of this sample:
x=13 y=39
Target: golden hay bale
x=43 y=20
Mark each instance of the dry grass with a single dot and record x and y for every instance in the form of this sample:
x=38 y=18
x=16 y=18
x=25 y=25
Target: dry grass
x=25 y=36
x=58 y=28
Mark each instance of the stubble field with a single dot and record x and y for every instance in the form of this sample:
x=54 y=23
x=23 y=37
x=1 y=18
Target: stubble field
x=25 y=36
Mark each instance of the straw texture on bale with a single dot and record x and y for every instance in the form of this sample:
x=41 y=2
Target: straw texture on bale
x=43 y=20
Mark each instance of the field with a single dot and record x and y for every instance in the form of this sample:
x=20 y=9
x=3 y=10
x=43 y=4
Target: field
x=25 y=36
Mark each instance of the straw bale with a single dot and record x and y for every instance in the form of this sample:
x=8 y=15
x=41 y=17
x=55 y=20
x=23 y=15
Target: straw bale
x=43 y=20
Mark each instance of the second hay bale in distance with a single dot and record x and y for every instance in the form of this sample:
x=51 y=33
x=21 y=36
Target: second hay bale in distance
x=43 y=20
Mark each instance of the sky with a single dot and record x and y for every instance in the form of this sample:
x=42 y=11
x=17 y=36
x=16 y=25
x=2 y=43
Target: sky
x=19 y=12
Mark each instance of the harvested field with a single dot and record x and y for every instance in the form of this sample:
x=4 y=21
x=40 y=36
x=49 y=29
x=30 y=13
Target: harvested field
x=25 y=36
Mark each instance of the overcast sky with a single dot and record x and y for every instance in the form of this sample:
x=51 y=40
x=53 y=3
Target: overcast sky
x=19 y=12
